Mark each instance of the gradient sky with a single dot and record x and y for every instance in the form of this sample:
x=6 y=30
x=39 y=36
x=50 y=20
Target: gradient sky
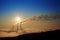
x=9 y=9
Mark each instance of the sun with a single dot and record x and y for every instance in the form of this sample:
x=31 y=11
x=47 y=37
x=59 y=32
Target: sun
x=18 y=19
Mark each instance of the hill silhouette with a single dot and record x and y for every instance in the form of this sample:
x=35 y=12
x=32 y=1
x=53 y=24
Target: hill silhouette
x=49 y=35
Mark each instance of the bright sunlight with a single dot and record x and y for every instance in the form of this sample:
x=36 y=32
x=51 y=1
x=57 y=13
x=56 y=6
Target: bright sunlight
x=18 y=19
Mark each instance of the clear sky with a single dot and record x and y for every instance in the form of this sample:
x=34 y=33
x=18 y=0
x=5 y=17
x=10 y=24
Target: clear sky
x=26 y=8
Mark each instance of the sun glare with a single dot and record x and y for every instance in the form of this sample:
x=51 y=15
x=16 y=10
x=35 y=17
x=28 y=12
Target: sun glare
x=18 y=19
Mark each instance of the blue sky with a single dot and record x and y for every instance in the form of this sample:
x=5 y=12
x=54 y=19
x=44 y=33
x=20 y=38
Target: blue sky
x=27 y=8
